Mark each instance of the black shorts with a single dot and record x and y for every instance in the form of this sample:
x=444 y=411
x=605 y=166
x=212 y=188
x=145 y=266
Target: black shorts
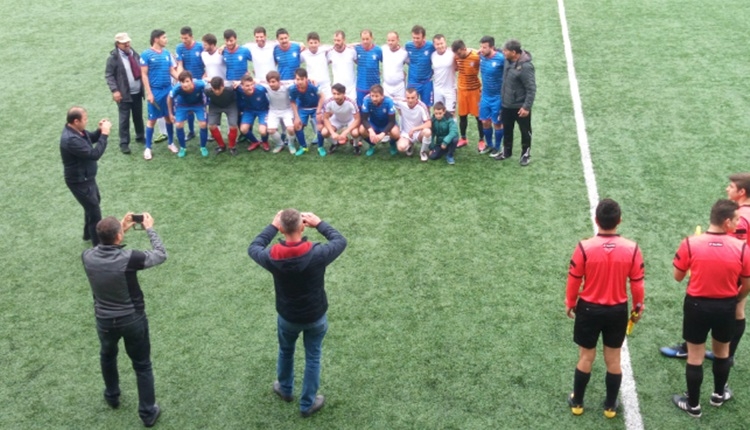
x=702 y=315
x=593 y=319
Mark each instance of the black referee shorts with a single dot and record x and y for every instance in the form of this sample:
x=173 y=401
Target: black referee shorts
x=702 y=315
x=593 y=319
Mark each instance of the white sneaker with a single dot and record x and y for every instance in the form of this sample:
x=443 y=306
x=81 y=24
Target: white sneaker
x=147 y=154
x=423 y=156
x=278 y=148
x=292 y=149
x=173 y=148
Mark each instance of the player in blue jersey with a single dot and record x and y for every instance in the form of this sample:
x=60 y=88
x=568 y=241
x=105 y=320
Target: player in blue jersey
x=491 y=63
x=187 y=98
x=307 y=102
x=369 y=57
x=420 y=64
x=188 y=56
x=378 y=120
x=157 y=70
x=235 y=56
x=253 y=103
x=286 y=55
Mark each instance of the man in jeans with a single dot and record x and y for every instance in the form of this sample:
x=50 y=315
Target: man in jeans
x=120 y=309
x=298 y=269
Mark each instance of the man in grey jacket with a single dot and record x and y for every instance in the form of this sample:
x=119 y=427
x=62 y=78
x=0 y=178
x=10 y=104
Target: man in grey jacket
x=123 y=74
x=120 y=309
x=518 y=92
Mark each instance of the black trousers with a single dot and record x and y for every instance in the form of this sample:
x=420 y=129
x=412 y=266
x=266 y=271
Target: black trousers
x=126 y=109
x=510 y=118
x=438 y=152
x=87 y=194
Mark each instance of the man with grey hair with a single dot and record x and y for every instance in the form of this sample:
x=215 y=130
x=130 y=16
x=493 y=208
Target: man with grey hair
x=298 y=268
x=123 y=75
x=518 y=92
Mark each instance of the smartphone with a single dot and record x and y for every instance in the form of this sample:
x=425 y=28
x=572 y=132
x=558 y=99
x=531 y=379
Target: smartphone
x=137 y=218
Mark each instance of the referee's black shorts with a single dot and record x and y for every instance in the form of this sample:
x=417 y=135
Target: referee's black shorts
x=702 y=315
x=593 y=319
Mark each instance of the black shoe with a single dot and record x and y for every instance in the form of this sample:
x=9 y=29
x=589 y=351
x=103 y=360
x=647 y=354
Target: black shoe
x=152 y=421
x=575 y=408
x=113 y=402
x=233 y=151
x=332 y=149
x=277 y=390
x=717 y=400
x=681 y=402
x=125 y=149
x=357 y=150
x=500 y=156
x=190 y=135
x=220 y=149
x=526 y=157
x=317 y=405
x=140 y=140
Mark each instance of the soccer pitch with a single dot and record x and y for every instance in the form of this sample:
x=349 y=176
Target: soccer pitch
x=447 y=308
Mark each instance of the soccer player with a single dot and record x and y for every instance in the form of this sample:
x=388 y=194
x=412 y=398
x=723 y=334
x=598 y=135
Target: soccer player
x=157 y=69
x=420 y=64
x=603 y=264
x=253 y=103
x=287 y=55
x=469 y=91
x=222 y=99
x=340 y=118
x=213 y=60
x=394 y=58
x=306 y=100
x=188 y=55
x=491 y=65
x=716 y=260
x=262 y=53
x=378 y=116
x=315 y=58
x=187 y=97
x=343 y=59
x=444 y=134
x=235 y=57
x=280 y=111
x=416 y=125
x=444 y=74
x=369 y=57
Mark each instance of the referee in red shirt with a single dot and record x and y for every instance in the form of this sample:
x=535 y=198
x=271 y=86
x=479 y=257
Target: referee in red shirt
x=603 y=264
x=715 y=261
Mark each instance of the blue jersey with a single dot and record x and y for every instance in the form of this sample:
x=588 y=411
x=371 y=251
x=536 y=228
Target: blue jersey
x=194 y=98
x=191 y=58
x=378 y=115
x=305 y=100
x=287 y=61
x=159 y=66
x=236 y=62
x=368 y=66
x=492 y=74
x=420 y=63
x=257 y=101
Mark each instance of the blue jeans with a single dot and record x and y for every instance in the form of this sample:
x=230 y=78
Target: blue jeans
x=134 y=330
x=313 y=340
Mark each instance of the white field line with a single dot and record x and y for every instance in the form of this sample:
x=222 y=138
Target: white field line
x=628 y=393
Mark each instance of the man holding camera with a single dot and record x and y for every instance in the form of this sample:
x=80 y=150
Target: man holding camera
x=120 y=309
x=298 y=269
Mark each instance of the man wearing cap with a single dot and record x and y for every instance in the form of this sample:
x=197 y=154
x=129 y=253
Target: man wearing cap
x=123 y=75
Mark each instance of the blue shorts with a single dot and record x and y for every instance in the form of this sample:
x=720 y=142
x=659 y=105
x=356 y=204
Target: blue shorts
x=361 y=94
x=306 y=114
x=489 y=108
x=249 y=116
x=425 y=91
x=378 y=128
x=158 y=109
x=181 y=113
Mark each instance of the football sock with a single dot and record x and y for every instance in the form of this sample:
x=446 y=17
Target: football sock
x=170 y=133
x=276 y=138
x=191 y=122
x=320 y=139
x=204 y=137
x=463 y=123
x=488 y=137
x=612 y=381
x=301 y=138
x=694 y=378
x=480 y=128
x=216 y=133
x=499 y=138
x=232 y=137
x=250 y=136
x=721 y=374
x=580 y=380
x=180 y=137
x=739 y=330
x=264 y=138
x=149 y=136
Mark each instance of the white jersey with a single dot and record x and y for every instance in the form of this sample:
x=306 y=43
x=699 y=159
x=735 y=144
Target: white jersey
x=317 y=64
x=411 y=117
x=444 y=70
x=279 y=100
x=214 y=64
x=342 y=66
x=341 y=113
x=393 y=65
x=263 y=61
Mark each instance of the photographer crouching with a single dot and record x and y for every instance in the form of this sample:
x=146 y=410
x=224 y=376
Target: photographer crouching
x=120 y=309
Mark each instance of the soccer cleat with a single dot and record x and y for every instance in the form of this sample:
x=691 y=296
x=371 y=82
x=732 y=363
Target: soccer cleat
x=611 y=412
x=220 y=149
x=717 y=400
x=160 y=138
x=526 y=158
x=681 y=402
x=575 y=408
x=394 y=151
x=182 y=152
x=147 y=154
x=278 y=148
x=423 y=156
x=172 y=147
x=370 y=151
x=481 y=146
x=265 y=146
x=204 y=151
x=358 y=150
x=190 y=135
x=233 y=151
x=450 y=160
x=300 y=151
x=292 y=149
x=322 y=151
x=409 y=150
x=500 y=156
x=462 y=142
x=253 y=146
x=676 y=351
x=486 y=150
x=496 y=153
x=333 y=147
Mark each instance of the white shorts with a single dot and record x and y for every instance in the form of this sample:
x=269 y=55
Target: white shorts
x=413 y=138
x=337 y=125
x=398 y=90
x=447 y=96
x=274 y=116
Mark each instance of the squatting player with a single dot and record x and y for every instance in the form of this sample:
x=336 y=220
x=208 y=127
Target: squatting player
x=253 y=104
x=416 y=126
x=340 y=118
x=222 y=99
x=378 y=120
x=185 y=99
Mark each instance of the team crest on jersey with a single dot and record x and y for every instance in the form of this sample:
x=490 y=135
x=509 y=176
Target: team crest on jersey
x=494 y=64
x=374 y=57
x=294 y=54
x=239 y=57
x=385 y=110
x=426 y=52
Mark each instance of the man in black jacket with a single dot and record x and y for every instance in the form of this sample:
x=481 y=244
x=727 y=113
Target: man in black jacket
x=298 y=269
x=123 y=74
x=79 y=157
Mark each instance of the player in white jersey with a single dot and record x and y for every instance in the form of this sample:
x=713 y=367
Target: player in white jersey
x=212 y=59
x=340 y=118
x=316 y=62
x=280 y=110
x=416 y=125
x=343 y=59
x=262 y=53
x=394 y=58
x=444 y=74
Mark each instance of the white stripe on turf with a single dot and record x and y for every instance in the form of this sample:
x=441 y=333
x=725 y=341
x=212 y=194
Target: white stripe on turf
x=628 y=393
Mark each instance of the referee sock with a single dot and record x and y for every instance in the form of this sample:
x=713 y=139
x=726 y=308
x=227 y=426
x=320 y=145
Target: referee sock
x=180 y=137
x=580 y=381
x=721 y=374
x=739 y=330
x=612 y=381
x=694 y=378
x=488 y=137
